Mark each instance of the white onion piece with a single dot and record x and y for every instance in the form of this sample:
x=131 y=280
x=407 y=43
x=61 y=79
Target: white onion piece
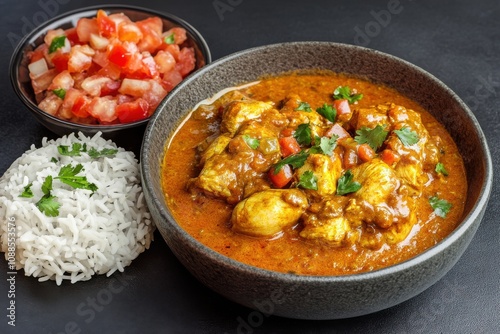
x=67 y=46
x=97 y=42
x=38 y=67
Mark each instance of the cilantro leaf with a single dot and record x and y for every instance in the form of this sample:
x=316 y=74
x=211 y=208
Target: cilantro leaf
x=48 y=205
x=440 y=169
x=27 y=193
x=328 y=112
x=105 y=152
x=346 y=184
x=344 y=92
x=295 y=160
x=54 y=160
x=76 y=149
x=252 y=142
x=324 y=145
x=303 y=134
x=47 y=185
x=170 y=39
x=57 y=43
x=304 y=106
x=441 y=206
x=308 y=181
x=60 y=92
x=407 y=136
x=67 y=175
x=374 y=137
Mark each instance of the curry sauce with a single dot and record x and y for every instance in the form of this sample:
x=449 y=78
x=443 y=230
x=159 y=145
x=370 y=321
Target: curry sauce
x=352 y=203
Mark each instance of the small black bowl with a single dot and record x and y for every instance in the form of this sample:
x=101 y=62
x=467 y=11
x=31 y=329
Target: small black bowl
x=19 y=73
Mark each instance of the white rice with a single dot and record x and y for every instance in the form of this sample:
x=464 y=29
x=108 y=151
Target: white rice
x=94 y=233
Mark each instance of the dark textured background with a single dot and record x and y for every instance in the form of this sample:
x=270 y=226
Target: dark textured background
x=457 y=41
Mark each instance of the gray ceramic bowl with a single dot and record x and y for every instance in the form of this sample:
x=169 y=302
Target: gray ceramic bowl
x=21 y=82
x=312 y=297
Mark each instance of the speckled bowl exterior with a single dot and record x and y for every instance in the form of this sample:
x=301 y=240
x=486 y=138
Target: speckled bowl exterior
x=323 y=297
x=19 y=74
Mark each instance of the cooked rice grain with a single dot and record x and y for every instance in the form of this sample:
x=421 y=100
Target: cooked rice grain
x=96 y=234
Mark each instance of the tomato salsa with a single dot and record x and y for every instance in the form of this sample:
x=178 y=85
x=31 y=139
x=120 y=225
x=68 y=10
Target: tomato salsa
x=108 y=69
x=314 y=174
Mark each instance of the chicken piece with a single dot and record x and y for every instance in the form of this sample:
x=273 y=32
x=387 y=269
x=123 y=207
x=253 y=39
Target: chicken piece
x=268 y=212
x=325 y=221
x=372 y=202
x=326 y=169
x=238 y=112
x=219 y=177
x=217 y=146
x=369 y=117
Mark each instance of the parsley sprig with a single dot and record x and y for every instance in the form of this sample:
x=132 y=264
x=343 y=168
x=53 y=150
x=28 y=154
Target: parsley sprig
x=48 y=204
x=304 y=106
x=407 y=136
x=308 y=181
x=440 y=206
x=67 y=175
x=328 y=112
x=253 y=143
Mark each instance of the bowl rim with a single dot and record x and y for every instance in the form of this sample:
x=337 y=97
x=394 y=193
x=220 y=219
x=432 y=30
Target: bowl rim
x=27 y=39
x=468 y=220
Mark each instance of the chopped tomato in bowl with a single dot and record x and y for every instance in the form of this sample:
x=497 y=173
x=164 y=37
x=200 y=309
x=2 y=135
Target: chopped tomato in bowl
x=108 y=71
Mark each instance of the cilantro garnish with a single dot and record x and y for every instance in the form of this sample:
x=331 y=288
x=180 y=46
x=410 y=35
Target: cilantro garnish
x=374 y=137
x=250 y=141
x=304 y=106
x=324 y=145
x=440 y=169
x=54 y=160
x=308 y=181
x=295 y=160
x=67 y=175
x=407 y=136
x=76 y=149
x=57 y=43
x=27 y=193
x=303 y=134
x=441 y=206
x=346 y=184
x=344 y=92
x=105 y=152
x=170 y=39
x=48 y=204
x=60 y=92
x=328 y=112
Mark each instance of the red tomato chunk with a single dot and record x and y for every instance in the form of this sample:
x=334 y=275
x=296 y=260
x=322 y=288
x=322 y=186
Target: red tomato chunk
x=109 y=69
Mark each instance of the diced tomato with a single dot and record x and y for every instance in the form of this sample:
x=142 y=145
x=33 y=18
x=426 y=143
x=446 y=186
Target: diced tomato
x=63 y=80
x=80 y=58
x=60 y=61
x=79 y=107
x=111 y=71
x=119 y=55
x=85 y=27
x=289 y=146
x=165 y=61
x=287 y=132
x=107 y=27
x=186 y=62
x=342 y=107
x=151 y=29
x=171 y=79
x=365 y=152
x=155 y=94
x=350 y=159
x=134 y=87
x=337 y=130
x=102 y=108
x=129 y=32
x=98 y=85
x=179 y=35
x=282 y=178
x=132 y=111
x=72 y=36
x=41 y=82
x=51 y=104
x=389 y=156
x=38 y=53
x=173 y=49
x=149 y=67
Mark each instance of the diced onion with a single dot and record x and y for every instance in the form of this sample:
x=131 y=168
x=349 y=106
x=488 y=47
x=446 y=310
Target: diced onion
x=97 y=42
x=67 y=46
x=38 y=67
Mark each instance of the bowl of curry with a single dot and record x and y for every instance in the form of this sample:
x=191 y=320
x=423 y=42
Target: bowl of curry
x=316 y=180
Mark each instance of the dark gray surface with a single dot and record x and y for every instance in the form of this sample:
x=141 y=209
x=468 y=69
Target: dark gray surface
x=457 y=41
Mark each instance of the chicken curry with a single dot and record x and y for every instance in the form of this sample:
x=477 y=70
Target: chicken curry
x=314 y=174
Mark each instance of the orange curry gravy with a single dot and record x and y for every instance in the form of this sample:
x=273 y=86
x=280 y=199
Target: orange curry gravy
x=208 y=219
